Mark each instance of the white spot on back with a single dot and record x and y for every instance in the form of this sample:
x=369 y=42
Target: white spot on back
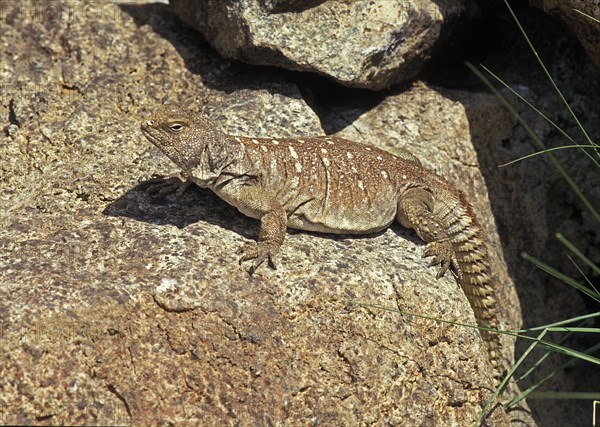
x=404 y=177
x=385 y=174
x=350 y=155
x=263 y=148
x=255 y=141
x=329 y=141
x=274 y=142
x=361 y=185
x=293 y=152
x=326 y=161
x=379 y=158
x=301 y=141
x=324 y=150
x=368 y=148
x=298 y=167
x=237 y=139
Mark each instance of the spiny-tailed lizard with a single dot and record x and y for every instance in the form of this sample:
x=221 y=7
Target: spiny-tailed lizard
x=332 y=185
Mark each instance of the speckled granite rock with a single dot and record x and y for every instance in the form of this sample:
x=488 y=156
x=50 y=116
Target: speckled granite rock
x=363 y=43
x=122 y=308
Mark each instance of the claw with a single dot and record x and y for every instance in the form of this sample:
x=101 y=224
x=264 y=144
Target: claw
x=435 y=261
x=259 y=252
x=444 y=268
x=164 y=185
x=443 y=255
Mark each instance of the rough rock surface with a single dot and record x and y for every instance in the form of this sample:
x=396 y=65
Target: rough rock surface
x=119 y=307
x=362 y=43
x=122 y=308
x=569 y=12
x=411 y=120
x=523 y=198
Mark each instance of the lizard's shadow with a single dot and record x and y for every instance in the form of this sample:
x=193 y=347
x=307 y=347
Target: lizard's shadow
x=194 y=205
x=202 y=205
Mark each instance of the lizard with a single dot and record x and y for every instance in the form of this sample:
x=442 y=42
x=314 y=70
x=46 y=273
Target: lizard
x=332 y=185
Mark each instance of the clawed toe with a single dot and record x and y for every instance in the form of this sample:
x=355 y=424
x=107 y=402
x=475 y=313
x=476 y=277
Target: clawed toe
x=259 y=252
x=443 y=255
x=165 y=185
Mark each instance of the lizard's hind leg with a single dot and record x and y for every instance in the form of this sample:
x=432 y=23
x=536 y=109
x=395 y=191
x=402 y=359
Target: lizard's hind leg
x=415 y=210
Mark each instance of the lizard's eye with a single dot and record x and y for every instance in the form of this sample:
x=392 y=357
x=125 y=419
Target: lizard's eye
x=176 y=127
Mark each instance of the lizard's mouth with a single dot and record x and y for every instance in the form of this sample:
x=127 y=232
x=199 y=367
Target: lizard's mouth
x=154 y=136
x=148 y=130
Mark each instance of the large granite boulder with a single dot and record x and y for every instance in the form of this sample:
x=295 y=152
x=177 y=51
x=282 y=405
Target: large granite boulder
x=362 y=43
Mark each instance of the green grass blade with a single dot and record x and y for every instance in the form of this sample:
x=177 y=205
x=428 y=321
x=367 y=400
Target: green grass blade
x=586 y=15
x=522 y=359
x=570 y=352
x=533 y=107
x=525 y=393
x=562 y=147
x=532 y=134
x=561 y=276
x=576 y=329
x=565 y=395
x=589 y=282
x=577 y=252
x=547 y=73
x=585 y=317
x=593 y=145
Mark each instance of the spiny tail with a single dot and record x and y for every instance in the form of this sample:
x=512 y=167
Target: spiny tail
x=472 y=267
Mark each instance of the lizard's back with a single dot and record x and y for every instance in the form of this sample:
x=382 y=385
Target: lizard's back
x=325 y=184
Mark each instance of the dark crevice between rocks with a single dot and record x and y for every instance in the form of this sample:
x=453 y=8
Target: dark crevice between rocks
x=42 y=418
x=297 y=6
x=12 y=116
x=325 y=99
x=111 y=388
x=470 y=39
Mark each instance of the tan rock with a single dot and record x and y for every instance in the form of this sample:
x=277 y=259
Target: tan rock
x=365 y=44
x=122 y=308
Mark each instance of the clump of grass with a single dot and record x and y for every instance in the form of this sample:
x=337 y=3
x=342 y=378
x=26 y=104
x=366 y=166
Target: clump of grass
x=576 y=325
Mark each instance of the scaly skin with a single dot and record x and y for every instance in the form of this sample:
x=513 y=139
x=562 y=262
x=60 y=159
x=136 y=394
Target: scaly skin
x=332 y=185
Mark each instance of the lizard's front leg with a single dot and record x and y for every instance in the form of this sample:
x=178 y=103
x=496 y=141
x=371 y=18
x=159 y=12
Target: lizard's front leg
x=415 y=210
x=273 y=227
x=176 y=183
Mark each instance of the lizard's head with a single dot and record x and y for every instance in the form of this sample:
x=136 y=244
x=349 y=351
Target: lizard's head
x=181 y=134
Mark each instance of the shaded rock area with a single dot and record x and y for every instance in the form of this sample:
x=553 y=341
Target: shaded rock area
x=364 y=43
x=572 y=13
x=119 y=307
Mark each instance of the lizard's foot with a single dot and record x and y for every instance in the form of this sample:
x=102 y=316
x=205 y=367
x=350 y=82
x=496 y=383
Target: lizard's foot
x=164 y=185
x=259 y=252
x=443 y=255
